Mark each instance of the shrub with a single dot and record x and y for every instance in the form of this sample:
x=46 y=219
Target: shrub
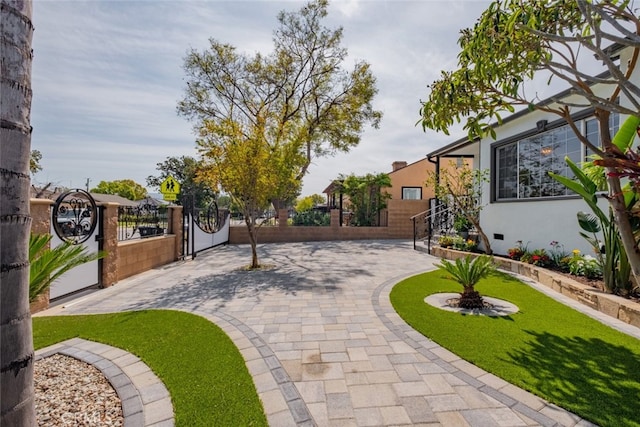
x=584 y=265
x=517 y=252
x=445 y=241
x=468 y=272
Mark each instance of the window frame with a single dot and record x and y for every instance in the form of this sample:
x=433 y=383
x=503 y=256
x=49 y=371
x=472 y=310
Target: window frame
x=410 y=187
x=514 y=140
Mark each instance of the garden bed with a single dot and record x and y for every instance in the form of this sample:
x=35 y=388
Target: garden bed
x=626 y=310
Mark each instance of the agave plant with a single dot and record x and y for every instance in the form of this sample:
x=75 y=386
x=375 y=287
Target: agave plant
x=48 y=264
x=468 y=272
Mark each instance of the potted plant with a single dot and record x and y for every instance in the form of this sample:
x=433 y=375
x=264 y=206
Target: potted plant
x=461 y=225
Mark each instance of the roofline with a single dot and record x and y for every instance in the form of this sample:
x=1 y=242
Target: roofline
x=408 y=164
x=463 y=142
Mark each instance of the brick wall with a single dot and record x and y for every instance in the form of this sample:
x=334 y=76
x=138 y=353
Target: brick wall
x=399 y=227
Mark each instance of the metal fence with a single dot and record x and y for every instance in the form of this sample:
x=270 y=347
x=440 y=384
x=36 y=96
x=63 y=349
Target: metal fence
x=144 y=220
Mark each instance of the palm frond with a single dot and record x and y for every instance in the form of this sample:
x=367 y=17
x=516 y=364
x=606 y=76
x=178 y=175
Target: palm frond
x=48 y=264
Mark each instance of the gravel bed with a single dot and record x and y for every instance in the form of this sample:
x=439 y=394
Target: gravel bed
x=73 y=393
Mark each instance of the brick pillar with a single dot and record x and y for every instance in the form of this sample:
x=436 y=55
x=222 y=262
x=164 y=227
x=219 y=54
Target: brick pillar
x=41 y=216
x=40 y=224
x=109 y=275
x=283 y=217
x=176 y=228
x=335 y=217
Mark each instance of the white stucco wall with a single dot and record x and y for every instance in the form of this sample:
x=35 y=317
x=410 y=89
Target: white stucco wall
x=537 y=222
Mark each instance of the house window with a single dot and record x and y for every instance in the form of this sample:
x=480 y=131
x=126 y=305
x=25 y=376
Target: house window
x=411 y=193
x=522 y=166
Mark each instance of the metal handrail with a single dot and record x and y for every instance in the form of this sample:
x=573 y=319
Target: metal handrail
x=434 y=218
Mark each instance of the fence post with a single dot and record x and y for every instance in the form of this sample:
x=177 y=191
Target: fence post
x=176 y=228
x=335 y=217
x=109 y=274
x=283 y=216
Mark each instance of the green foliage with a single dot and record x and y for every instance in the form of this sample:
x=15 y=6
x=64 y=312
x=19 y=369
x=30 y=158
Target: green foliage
x=312 y=218
x=309 y=102
x=127 y=188
x=34 y=161
x=461 y=244
x=519 y=251
x=460 y=189
x=47 y=265
x=185 y=170
x=367 y=197
x=461 y=223
x=511 y=41
x=613 y=257
x=584 y=265
x=445 y=241
x=261 y=119
x=557 y=353
x=309 y=202
x=466 y=271
x=203 y=370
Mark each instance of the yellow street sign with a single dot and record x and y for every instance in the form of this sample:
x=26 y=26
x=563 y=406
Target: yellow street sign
x=170 y=187
x=169 y=197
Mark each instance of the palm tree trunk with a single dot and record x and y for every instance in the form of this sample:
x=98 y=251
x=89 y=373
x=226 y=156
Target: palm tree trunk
x=17 y=405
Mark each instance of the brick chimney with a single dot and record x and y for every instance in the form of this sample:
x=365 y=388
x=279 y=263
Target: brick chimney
x=398 y=165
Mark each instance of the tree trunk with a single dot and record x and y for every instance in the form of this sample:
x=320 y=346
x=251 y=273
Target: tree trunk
x=471 y=299
x=17 y=405
x=616 y=199
x=253 y=240
x=483 y=236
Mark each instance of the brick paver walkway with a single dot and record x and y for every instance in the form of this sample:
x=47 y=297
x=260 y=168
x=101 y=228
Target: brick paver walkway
x=322 y=341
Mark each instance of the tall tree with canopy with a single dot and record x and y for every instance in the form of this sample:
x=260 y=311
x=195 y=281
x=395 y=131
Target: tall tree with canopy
x=127 y=188
x=511 y=42
x=17 y=404
x=185 y=170
x=293 y=105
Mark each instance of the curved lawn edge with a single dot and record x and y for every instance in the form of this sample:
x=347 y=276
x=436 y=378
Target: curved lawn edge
x=199 y=364
x=547 y=348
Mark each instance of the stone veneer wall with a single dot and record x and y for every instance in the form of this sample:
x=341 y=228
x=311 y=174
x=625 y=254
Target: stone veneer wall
x=623 y=309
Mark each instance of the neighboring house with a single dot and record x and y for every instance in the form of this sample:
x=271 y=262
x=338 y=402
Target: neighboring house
x=521 y=202
x=408 y=181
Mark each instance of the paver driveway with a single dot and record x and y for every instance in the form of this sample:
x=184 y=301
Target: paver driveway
x=322 y=341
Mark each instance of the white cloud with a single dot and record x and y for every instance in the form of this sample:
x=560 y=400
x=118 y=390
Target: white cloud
x=107 y=76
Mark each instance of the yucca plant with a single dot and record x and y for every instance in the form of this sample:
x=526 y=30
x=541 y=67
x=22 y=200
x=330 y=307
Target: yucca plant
x=468 y=272
x=48 y=264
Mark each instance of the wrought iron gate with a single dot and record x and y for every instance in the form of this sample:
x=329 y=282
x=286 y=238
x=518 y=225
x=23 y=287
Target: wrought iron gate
x=204 y=228
x=75 y=218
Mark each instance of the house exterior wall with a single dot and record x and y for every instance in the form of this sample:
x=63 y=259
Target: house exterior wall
x=538 y=221
x=412 y=175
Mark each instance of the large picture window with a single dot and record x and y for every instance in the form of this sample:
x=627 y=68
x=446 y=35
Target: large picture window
x=522 y=166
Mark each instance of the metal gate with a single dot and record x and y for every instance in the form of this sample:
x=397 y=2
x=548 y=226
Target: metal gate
x=75 y=218
x=204 y=228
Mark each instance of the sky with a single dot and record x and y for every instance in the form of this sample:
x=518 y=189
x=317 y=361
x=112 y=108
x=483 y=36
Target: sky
x=107 y=76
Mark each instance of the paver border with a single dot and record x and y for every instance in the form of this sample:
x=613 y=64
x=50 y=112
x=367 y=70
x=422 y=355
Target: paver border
x=258 y=363
x=472 y=375
x=145 y=399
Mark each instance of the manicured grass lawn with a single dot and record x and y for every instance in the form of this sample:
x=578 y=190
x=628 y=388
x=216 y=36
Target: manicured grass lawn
x=547 y=348
x=200 y=366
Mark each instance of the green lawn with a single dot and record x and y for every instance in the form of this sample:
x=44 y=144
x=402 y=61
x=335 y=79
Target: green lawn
x=547 y=348
x=200 y=366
